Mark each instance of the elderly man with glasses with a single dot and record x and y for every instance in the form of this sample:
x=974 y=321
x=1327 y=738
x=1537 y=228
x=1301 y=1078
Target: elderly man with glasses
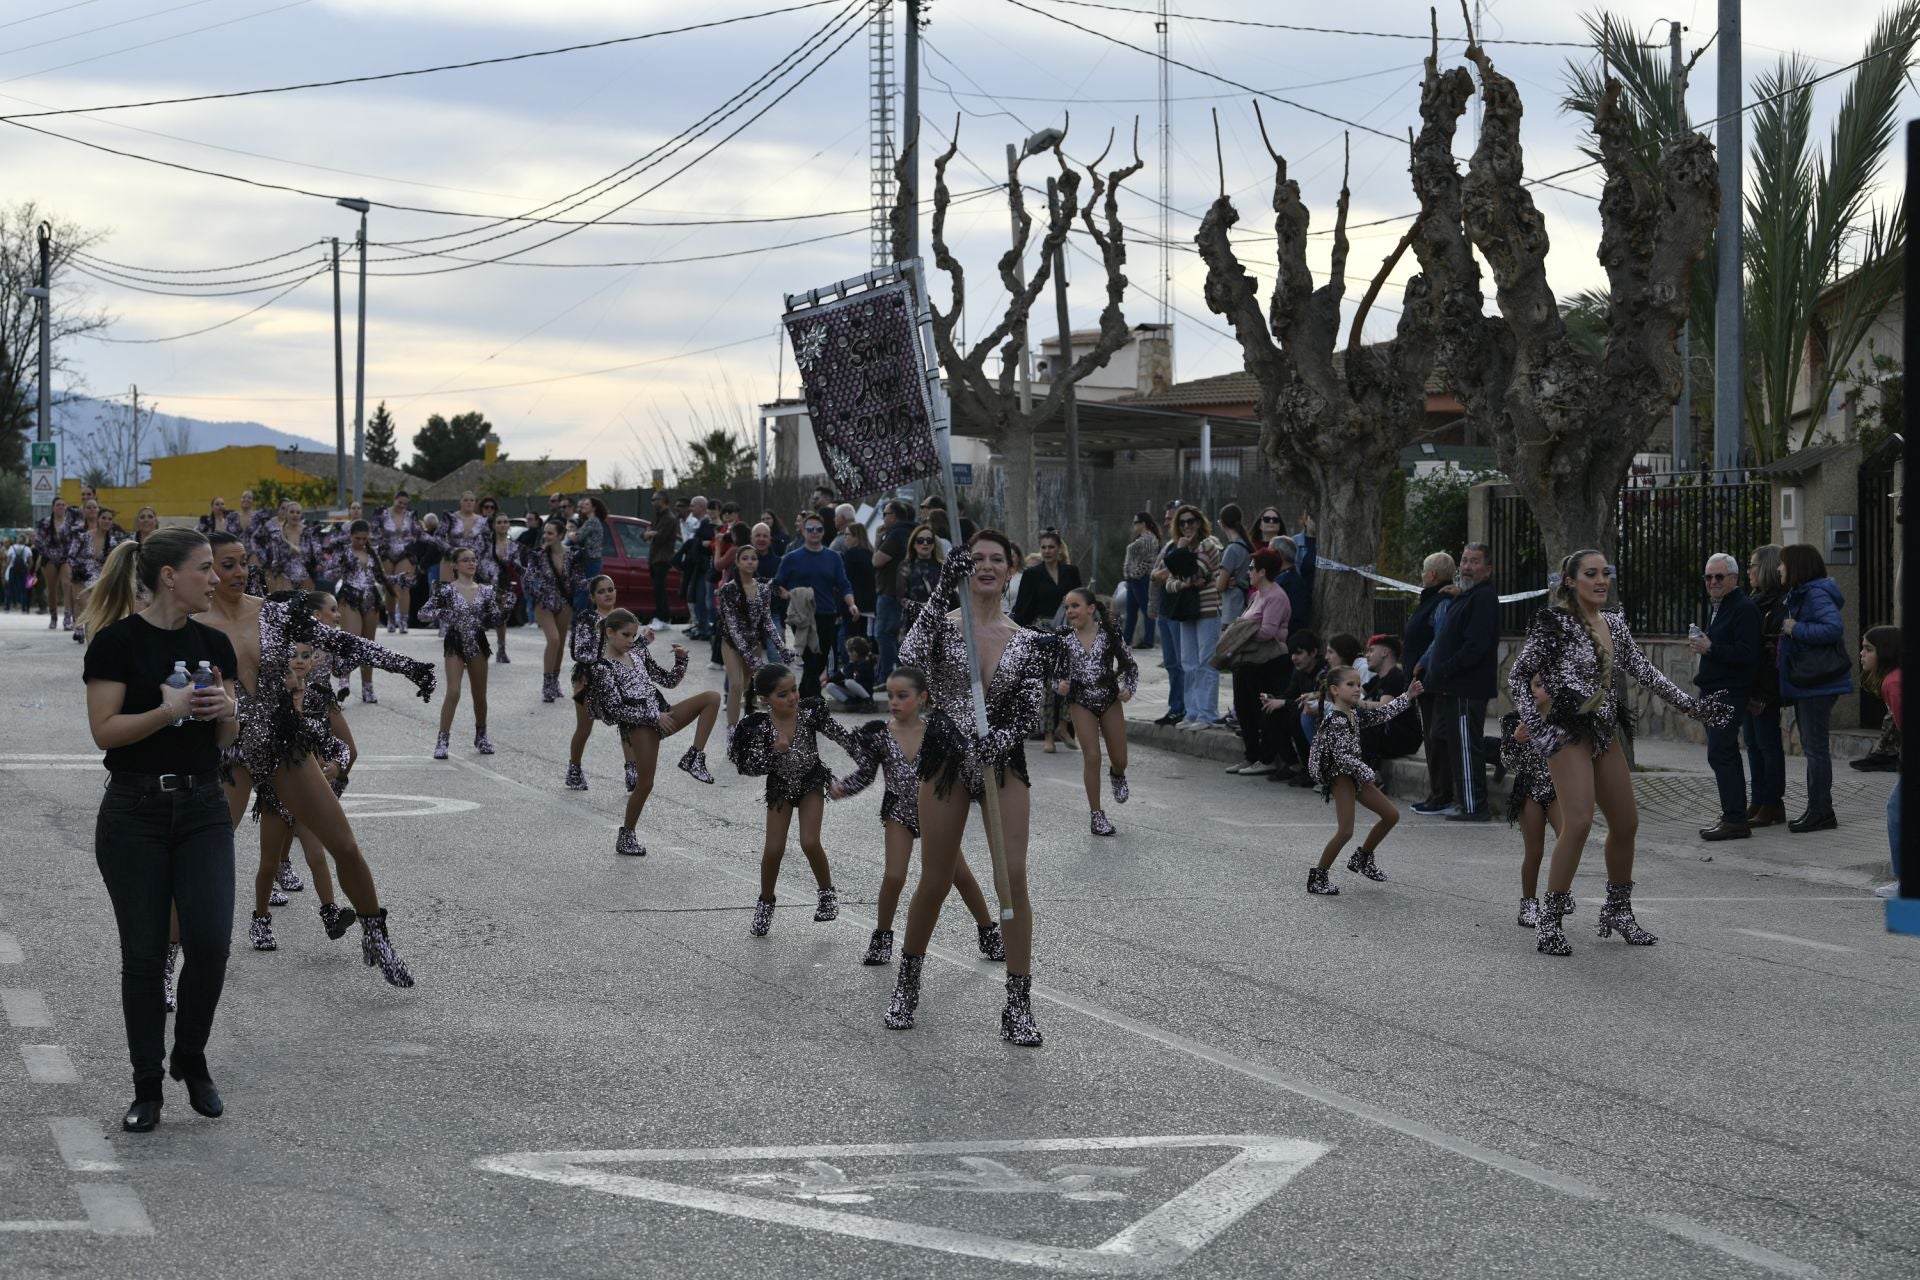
x=1729 y=653
x=821 y=570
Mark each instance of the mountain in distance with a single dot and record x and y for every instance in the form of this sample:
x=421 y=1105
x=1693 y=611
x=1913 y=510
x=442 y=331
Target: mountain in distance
x=79 y=415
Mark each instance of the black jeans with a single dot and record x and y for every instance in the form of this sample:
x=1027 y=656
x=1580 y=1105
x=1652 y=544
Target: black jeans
x=659 y=570
x=1434 y=743
x=1249 y=682
x=1723 y=757
x=1815 y=716
x=1463 y=722
x=812 y=663
x=1767 y=757
x=156 y=850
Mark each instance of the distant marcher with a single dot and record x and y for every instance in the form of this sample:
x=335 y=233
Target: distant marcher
x=1729 y=652
x=1815 y=671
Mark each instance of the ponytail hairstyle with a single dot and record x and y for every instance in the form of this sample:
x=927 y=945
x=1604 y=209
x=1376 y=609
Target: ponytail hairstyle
x=914 y=676
x=1331 y=677
x=766 y=680
x=1104 y=619
x=136 y=564
x=615 y=621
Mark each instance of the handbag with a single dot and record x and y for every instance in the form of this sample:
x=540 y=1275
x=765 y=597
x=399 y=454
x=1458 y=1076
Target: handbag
x=1240 y=646
x=1182 y=605
x=1811 y=666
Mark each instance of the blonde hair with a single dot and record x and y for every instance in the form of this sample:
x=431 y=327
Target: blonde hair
x=132 y=565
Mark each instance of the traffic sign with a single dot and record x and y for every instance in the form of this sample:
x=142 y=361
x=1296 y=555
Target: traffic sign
x=46 y=486
x=43 y=455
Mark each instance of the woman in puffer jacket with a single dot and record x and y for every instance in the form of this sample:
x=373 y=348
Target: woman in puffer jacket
x=1814 y=624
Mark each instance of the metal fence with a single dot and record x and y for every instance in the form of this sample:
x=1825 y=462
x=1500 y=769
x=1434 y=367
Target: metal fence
x=1877 y=529
x=1519 y=556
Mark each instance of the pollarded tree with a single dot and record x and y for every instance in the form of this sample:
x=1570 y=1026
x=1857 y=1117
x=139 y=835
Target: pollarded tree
x=1566 y=422
x=1337 y=419
x=988 y=404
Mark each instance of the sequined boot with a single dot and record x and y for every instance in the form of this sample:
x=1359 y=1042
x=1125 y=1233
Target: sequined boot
x=440 y=747
x=1317 y=883
x=1016 y=1020
x=906 y=993
x=376 y=948
x=762 y=918
x=1618 y=914
x=481 y=742
x=879 y=948
x=366 y=693
x=829 y=908
x=336 y=920
x=53 y=620
x=502 y=657
x=1549 y=938
x=277 y=897
x=1529 y=913
x=633 y=776
x=550 y=687
x=260 y=933
x=695 y=763
x=66 y=620
x=170 y=977
x=1100 y=825
x=629 y=844
x=1361 y=863
x=1120 y=788
x=289 y=879
x=576 y=777
x=992 y=945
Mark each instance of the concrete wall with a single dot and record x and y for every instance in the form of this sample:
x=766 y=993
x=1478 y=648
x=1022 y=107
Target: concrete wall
x=185 y=485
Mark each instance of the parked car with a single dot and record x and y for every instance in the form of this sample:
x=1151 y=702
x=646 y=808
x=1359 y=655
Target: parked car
x=625 y=562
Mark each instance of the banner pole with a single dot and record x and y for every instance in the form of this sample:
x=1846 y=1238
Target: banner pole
x=943 y=439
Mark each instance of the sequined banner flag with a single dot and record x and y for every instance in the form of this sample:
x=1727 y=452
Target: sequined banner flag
x=860 y=368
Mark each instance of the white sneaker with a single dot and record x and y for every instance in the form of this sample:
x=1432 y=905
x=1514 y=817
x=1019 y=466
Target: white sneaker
x=1888 y=890
x=662 y=626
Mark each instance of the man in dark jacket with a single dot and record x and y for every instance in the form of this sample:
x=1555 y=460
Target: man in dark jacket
x=1729 y=652
x=1302 y=557
x=1461 y=669
x=1436 y=596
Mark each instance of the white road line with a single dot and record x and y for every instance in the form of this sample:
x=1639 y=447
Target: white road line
x=25 y=1008
x=82 y=1145
x=1734 y=1246
x=49 y=1064
x=9 y=948
x=114 y=1210
x=1798 y=942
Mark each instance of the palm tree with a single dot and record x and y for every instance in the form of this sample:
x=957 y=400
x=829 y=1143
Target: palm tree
x=1822 y=260
x=716 y=460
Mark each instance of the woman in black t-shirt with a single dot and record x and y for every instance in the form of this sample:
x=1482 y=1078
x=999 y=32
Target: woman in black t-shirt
x=163 y=837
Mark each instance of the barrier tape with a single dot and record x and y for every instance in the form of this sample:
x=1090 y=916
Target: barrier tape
x=1367 y=572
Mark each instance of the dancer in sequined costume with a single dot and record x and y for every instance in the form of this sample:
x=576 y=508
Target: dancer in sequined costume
x=782 y=745
x=273 y=747
x=584 y=641
x=1100 y=676
x=465 y=610
x=395 y=530
x=218 y=518
x=502 y=560
x=548 y=574
x=289 y=549
x=92 y=540
x=891 y=749
x=1532 y=803
x=1574 y=647
x=959 y=758
x=468 y=528
x=623 y=689
x=743 y=611
x=1337 y=767
x=354 y=570
x=50 y=538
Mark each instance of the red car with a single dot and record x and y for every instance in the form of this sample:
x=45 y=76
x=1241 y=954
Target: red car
x=625 y=562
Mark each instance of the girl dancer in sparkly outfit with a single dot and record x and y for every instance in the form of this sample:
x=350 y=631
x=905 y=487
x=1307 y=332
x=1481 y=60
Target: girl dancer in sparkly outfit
x=1100 y=676
x=50 y=538
x=502 y=561
x=1532 y=802
x=465 y=609
x=93 y=539
x=1574 y=647
x=585 y=645
x=891 y=748
x=289 y=549
x=623 y=689
x=1336 y=767
x=781 y=744
x=272 y=746
x=959 y=759
x=395 y=531
x=355 y=571
x=743 y=608
x=547 y=573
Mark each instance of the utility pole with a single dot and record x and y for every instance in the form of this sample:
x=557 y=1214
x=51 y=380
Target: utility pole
x=46 y=332
x=132 y=472
x=360 y=360
x=339 y=394
x=1064 y=363
x=1683 y=408
x=1729 y=362
x=910 y=108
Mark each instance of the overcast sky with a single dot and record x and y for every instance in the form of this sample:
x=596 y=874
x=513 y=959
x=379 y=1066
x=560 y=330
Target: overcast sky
x=510 y=139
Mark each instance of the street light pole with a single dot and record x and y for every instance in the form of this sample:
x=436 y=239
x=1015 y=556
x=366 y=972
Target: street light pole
x=1729 y=419
x=339 y=394
x=360 y=359
x=1068 y=405
x=910 y=111
x=1683 y=408
x=45 y=295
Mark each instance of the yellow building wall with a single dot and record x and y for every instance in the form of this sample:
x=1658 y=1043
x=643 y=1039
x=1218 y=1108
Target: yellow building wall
x=187 y=484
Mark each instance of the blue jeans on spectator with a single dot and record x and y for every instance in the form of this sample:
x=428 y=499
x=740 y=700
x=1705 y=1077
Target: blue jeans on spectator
x=1723 y=757
x=1176 y=674
x=1137 y=609
x=1200 y=683
x=1766 y=757
x=1816 y=716
x=702 y=603
x=886 y=635
x=581 y=600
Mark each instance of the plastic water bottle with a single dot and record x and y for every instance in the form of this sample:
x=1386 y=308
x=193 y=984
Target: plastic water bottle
x=180 y=680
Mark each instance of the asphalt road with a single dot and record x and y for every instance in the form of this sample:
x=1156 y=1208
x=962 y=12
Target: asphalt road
x=600 y=1073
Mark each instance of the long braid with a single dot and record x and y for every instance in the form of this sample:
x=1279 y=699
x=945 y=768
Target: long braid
x=1565 y=598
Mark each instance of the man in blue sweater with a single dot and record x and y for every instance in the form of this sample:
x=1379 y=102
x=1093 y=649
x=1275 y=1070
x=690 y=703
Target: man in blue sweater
x=1461 y=669
x=814 y=566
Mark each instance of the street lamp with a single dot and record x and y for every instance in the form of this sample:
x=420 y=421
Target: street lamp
x=360 y=354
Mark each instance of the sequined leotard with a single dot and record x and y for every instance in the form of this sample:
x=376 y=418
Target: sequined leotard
x=795 y=770
x=282 y=559
x=954 y=746
x=627 y=692
x=86 y=565
x=358 y=580
x=1092 y=687
x=1336 y=744
x=880 y=752
x=477 y=535
x=50 y=543
x=748 y=626
x=464 y=623
x=316 y=707
x=395 y=539
x=1585 y=702
x=1531 y=778
x=541 y=586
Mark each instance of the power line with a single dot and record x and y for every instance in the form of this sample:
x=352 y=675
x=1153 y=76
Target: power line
x=109 y=26
x=194 y=271
x=48 y=13
x=194 y=333
x=1327 y=31
x=649 y=262
x=169 y=293
x=420 y=71
x=148 y=44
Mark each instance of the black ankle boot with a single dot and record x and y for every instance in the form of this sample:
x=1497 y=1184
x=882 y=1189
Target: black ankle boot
x=1618 y=914
x=190 y=1069
x=879 y=948
x=993 y=944
x=1549 y=938
x=1016 y=1020
x=144 y=1114
x=906 y=992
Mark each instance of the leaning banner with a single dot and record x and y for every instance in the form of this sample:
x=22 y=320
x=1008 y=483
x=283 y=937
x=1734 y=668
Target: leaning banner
x=865 y=388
